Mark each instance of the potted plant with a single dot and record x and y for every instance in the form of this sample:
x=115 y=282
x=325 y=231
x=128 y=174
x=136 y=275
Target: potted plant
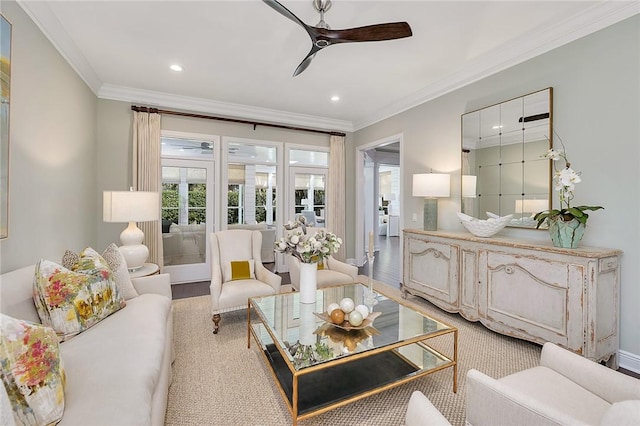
x=567 y=224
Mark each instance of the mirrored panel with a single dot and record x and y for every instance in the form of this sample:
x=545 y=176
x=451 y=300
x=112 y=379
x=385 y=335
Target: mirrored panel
x=503 y=166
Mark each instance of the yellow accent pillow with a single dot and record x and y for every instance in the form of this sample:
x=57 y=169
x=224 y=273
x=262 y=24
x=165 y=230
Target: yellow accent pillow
x=320 y=263
x=239 y=270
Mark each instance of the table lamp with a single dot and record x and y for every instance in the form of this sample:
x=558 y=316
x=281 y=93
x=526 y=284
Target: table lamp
x=132 y=206
x=431 y=186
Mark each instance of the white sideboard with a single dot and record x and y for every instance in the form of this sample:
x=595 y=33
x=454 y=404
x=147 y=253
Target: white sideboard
x=529 y=290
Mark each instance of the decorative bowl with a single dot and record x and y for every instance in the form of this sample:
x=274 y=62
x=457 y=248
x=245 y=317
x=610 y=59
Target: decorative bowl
x=345 y=325
x=484 y=228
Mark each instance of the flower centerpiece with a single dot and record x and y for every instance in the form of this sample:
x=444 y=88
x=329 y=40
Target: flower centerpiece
x=309 y=249
x=566 y=225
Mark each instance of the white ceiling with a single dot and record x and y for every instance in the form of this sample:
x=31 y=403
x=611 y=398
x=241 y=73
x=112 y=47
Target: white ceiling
x=239 y=56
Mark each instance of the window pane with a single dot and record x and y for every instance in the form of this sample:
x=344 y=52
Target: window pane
x=184 y=213
x=243 y=153
x=192 y=148
x=251 y=196
x=301 y=157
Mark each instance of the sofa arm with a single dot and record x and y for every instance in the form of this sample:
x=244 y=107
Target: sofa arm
x=608 y=384
x=158 y=284
x=421 y=412
x=490 y=402
x=345 y=268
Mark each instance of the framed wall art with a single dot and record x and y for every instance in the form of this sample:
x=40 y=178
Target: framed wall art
x=5 y=77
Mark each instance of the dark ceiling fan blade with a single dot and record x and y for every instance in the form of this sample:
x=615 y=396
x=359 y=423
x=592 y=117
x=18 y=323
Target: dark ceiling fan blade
x=378 y=32
x=307 y=60
x=285 y=12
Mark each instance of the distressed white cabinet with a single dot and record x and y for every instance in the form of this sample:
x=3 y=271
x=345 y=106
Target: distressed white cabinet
x=529 y=290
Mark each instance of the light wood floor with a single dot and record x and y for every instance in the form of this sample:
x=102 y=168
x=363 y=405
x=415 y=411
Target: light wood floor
x=386 y=265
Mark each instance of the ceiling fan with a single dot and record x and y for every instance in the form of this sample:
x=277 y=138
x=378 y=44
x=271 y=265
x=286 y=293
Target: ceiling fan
x=323 y=36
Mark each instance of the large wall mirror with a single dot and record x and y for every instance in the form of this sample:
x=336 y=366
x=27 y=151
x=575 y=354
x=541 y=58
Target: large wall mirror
x=503 y=166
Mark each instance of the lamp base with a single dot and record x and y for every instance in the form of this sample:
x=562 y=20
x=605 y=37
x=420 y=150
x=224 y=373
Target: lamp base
x=134 y=252
x=430 y=213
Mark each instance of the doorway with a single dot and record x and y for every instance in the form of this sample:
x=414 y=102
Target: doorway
x=379 y=207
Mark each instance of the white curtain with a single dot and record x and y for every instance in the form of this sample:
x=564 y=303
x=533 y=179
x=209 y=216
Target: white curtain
x=336 y=214
x=147 y=175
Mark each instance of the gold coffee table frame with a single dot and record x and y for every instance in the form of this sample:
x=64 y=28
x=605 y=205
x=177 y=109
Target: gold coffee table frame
x=399 y=345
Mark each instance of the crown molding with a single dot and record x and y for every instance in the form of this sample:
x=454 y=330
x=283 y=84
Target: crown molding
x=44 y=18
x=522 y=49
x=186 y=103
x=599 y=16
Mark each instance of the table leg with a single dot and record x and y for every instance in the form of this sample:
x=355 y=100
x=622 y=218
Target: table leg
x=294 y=400
x=455 y=360
x=249 y=325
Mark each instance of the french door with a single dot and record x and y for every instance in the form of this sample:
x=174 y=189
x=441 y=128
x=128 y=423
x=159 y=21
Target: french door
x=187 y=218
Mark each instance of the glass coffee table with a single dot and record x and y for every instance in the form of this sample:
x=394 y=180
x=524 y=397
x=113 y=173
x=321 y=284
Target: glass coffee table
x=319 y=366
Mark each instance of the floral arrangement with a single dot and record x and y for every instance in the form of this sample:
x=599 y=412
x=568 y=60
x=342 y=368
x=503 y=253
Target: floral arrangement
x=307 y=248
x=565 y=183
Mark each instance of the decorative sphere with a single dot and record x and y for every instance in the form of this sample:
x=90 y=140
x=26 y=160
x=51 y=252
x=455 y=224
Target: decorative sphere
x=364 y=311
x=355 y=318
x=337 y=316
x=347 y=305
x=332 y=307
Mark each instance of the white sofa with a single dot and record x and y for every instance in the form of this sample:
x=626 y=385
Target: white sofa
x=565 y=389
x=118 y=372
x=268 y=239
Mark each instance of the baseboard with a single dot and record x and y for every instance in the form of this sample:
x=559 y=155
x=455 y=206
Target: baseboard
x=629 y=361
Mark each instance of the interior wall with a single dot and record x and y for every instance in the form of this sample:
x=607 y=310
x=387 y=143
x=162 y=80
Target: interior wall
x=596 y=86
x=115 y=148
x=52 y=151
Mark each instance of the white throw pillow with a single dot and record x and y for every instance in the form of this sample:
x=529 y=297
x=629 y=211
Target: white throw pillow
x=119 y=271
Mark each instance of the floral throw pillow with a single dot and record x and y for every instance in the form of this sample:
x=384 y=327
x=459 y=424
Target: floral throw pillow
x=116 y=263
x=32 y=372
x=73 y=301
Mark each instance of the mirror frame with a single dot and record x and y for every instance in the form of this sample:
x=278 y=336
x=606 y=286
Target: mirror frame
x=506 y=138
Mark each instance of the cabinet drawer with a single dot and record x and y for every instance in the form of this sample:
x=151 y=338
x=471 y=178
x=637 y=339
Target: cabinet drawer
x=607 y=264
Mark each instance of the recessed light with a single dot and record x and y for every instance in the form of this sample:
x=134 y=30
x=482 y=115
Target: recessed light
x=497 y=127
x=176 y=67
x=335 y=98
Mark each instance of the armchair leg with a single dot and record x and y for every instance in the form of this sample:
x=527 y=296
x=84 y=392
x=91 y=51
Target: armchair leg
x=216 y=321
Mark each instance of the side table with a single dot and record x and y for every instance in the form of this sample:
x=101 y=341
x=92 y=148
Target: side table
x=145 y=270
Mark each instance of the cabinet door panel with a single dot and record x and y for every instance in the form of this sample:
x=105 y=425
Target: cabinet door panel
x=530 y=296
x=433 y=269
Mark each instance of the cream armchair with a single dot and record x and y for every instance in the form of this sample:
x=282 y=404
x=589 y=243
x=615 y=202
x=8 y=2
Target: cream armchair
x=230 y=289
x=334 y=273
x=565 y=389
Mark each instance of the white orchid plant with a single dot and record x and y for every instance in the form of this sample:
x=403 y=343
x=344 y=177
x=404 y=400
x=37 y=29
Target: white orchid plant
x=307 y=248
x=565 y=183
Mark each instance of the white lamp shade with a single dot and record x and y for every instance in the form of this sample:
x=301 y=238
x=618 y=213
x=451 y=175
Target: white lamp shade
x=469 y=186
x=431 y=185
x=131 y=206
x=531 y=206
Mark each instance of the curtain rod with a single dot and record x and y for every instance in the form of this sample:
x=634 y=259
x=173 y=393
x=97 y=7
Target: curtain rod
x=233 y=120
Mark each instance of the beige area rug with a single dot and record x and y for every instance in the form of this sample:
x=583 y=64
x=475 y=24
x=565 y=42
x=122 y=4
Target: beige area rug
x=218 y=381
